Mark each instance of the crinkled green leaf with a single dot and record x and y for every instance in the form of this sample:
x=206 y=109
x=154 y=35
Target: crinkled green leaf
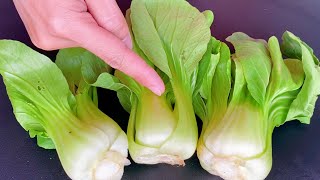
x=286 y=93
x=254 y=57
x=91 y=71
x=125 y=95
x=135 y=46
x=206 y=65
x=221 y=83
x=108 y=81
x=280 y=106
x=169 y=31
x=215 y=78
x=71 y=69
x=129 y=82
x=296 y=70
x=280 y=80
x=30 y=92
x=199 y=107
x=286 y=77
x=303 y=106
x=93 y=68
x=218 y=91
x=207 y=77
x=45 y=141
x=292 y=48
x=209 y=16
x=78 y=64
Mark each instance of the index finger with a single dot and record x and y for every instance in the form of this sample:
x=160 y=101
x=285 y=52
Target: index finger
x=113 y=51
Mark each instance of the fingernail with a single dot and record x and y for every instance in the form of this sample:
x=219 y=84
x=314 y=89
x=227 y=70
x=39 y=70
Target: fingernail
x=158 y=91
x=128 y=41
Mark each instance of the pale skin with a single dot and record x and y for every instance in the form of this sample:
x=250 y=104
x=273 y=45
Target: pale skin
x=96 y=25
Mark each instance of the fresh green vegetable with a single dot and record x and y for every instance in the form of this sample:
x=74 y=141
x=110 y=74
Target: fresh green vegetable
x=90 y=145
x=171 y=36
x=242 y=100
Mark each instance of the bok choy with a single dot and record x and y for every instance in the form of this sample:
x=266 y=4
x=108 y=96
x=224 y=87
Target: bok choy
x=171 y=36
x=90 y=144
x=243 y=98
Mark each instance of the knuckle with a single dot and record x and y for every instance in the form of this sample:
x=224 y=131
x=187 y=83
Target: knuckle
x=114 y=24
x=57 y=26
x=117 y=61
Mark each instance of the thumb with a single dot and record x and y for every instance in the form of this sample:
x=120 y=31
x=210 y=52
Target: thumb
x=114 y=52
x=109 y=16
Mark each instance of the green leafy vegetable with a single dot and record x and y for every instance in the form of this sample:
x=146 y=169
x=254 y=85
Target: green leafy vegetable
x=242 y=100
x=90 y=145
x=239 y=97
x=172 y=36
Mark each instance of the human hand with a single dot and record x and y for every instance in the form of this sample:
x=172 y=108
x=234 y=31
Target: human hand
x=96 y=25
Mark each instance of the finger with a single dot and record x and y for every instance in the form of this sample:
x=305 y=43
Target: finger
x=112 y=50
x=109 y=16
